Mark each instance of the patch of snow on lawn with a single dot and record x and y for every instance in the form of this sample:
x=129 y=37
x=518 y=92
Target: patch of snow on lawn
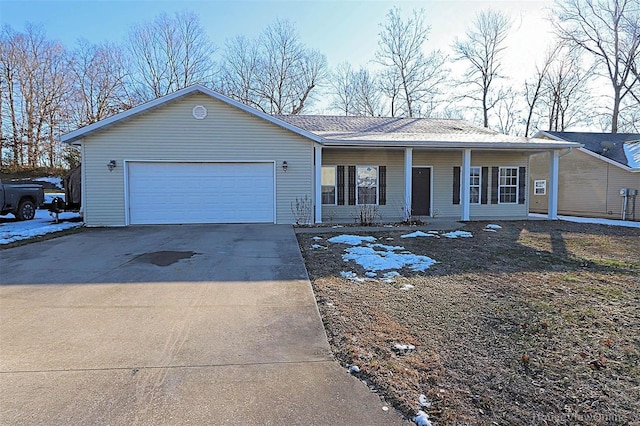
x=423 y=401
x=316 y=238
x=404 y=348
x=391 y=274
x=407 y=287
x=42 y=224
x=418 y=234
x=611 y=222
x=385 y=247
x=422 y=419
x=458 y=234
x=373 y=260
x=493 y=226
x=318 y=246
x=352 y=240
x=371 y=274
x=351 y=276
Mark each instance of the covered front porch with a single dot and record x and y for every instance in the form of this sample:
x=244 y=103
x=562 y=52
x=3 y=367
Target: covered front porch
x=400 y=183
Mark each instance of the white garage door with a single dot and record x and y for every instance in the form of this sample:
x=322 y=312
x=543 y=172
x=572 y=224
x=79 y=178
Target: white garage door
x=173 y=193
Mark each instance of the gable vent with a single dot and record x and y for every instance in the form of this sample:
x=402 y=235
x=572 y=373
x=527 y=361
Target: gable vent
x=199 y=112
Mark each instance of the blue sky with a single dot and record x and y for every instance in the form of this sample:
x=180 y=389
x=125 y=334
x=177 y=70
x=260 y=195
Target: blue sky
x=343 y=30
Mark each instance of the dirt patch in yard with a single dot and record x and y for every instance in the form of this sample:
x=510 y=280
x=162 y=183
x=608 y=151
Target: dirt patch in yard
x=535 y=323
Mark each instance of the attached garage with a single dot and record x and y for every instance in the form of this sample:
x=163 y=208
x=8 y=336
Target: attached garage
x=183 y=192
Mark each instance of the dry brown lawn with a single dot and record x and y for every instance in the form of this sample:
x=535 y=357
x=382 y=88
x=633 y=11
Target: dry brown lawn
x=537 y=323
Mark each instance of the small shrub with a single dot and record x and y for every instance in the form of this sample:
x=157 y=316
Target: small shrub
x=367 y=214
x=301 y=209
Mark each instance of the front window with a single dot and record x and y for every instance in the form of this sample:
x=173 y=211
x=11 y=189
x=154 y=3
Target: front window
x=328 y=184
x=475 y=185
x=540 y=187
x=367 y=184
x=508 y=185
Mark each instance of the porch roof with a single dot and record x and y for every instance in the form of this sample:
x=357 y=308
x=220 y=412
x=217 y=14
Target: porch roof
x=412 y=132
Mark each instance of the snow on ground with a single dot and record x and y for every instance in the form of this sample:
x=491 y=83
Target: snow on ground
x=419 y=234
x=42 y=224
x=379 y=260
x=57 y=181
x=407 y=287
x=422 y=419
x=493 y=226
x=352 y=240
x=610 y=222
x=316 y=238
x=458 y=234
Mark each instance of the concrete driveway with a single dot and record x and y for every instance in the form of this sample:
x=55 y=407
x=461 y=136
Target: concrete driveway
x=199 y=324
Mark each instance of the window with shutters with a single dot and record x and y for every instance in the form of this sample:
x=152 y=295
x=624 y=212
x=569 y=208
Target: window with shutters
x=475 y=184
x=508 y=185
x=367 y=185
x=329 y=185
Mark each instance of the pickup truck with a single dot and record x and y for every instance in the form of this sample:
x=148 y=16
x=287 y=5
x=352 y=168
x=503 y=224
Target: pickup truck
x=21 y=200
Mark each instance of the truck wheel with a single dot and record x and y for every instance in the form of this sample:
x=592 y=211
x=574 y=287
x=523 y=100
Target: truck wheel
x=26 y=210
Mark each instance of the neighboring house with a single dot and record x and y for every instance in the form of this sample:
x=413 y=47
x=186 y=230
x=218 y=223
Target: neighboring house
x=591 y=177
x=196 y=156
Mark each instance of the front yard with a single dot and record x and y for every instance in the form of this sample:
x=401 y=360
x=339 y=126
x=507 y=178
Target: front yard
x=533 y=323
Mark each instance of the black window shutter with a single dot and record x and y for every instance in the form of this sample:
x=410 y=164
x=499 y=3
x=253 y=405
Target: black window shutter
x=382 y=185
x=484 y=194
x=522 y=176
x=340 y=184
x=494 y=184
x=456 y=185
x=351 y=182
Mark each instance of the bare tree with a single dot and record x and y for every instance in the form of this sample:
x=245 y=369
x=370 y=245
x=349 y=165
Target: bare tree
x=482 y=48
x=37 y=86
x=99 y=74
x=275 y=73
x=608 y=30
x=535 y=89
x=342 y=90
x=411 y=79
x=566 y=92
x=168 y=54
x=508 y=113
x=355 y=93
x=238 y=72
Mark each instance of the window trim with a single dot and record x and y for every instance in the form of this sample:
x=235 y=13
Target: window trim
x=377 y=185
x=517 y=184
x=335 y=185
x=473 y=186
x=543 y=187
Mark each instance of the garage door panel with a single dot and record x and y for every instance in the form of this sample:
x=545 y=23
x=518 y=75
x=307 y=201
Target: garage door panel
x=175 y=193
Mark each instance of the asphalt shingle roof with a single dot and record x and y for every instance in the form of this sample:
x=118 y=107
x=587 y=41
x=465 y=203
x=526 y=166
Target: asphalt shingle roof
x=393 y=130
x=620 y=147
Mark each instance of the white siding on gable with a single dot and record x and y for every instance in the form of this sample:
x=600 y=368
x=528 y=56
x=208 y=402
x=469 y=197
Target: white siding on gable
x=171 y=133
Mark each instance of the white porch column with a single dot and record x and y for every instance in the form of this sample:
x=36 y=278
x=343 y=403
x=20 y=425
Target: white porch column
x=408 y=167
x=317 y=191
x=466 y=183
x=552 y=194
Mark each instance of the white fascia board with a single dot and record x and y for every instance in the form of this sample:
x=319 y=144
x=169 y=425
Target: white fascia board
x=452 y=145
x=608 y=160
x=77 y=134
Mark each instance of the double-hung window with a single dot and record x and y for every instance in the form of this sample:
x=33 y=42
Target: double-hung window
x=367 y=184
x=328 y=184
x=475 y=183
x=508 y=185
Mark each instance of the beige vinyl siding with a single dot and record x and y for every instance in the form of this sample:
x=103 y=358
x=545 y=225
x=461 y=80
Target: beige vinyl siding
x=441 y=164
x=442 y=177
x=170 y=133
x=587 y=186
x=394 y=160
